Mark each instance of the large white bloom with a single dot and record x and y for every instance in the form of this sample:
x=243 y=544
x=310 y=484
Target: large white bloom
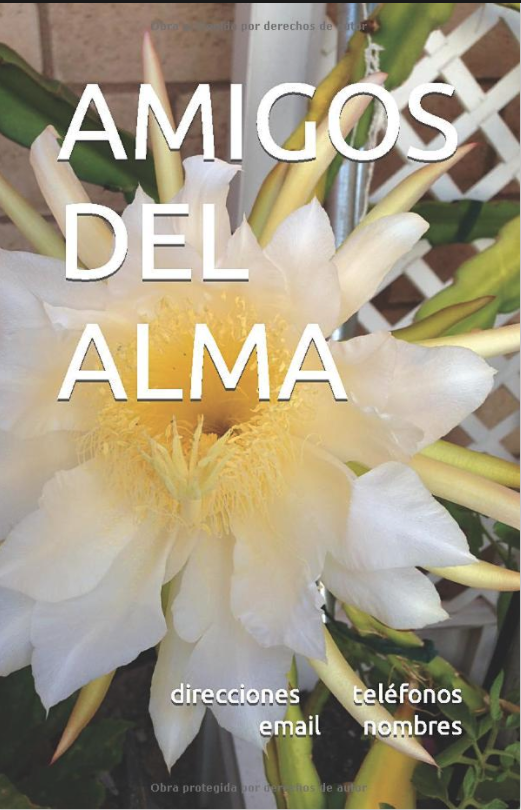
x=242 y=506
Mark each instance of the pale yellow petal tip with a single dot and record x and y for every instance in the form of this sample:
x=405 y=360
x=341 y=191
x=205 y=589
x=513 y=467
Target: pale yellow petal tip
x=148 y=49
x=409 y=746
x=65 y=743
x=481 y=575
x=87 y=704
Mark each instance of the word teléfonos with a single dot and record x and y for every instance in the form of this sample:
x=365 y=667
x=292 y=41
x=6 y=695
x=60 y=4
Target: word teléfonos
x=415 y=726
x=201 y=102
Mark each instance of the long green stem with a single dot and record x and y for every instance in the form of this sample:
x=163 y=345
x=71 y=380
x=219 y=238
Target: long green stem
x=486 y=343
x=39 y=233
x=494 y=469
x=468 y=489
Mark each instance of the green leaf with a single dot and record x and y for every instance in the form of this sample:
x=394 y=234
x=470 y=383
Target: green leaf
x=503 y=603
x=494 y=695
x=440 y=323
x=461 y=713
x=495 y=803
x=454 y=752
x=431 y=783
x=401 y=31
x=507 y=534
x=510 y=755
x=494 y=272
x=30 y=102
x=470 y=781
x=465 y=220
x=72 y=780
x=469 y=523
x=512 y=721
x=11 y=797
x=24 y=729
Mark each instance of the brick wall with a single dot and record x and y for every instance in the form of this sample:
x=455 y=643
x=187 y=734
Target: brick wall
x=79 y=43
x=101 y=42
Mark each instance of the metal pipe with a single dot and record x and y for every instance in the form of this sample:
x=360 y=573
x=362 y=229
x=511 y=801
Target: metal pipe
x=347 y=200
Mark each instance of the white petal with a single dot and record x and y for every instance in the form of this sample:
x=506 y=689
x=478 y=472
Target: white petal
x=27 y=464
x=28 y=280
x=33 y=364
x=370 y=253
x=66 y=546
x=205 y=182
x=358 y=434
x=175 y=726
x=15 y=631
x=279 y=557
x=433 y=389
x=265 y=288
x=402 y=598
x=394 y=522
x=127 y=282
x=60 y=187
x=78 y=640
x=302 y=248
x=182 y=543
x=226 y=657
x=200 y=595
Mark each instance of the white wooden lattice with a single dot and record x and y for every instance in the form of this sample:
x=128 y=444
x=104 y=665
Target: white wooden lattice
x=481 y=120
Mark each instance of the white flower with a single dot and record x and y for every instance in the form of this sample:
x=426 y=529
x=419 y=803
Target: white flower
x=242 y=506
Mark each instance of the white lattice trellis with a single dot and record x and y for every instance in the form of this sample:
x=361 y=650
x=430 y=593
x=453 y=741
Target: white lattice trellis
x=481 y=120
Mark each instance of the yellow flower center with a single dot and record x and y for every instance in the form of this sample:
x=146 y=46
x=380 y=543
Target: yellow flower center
x=198 y=462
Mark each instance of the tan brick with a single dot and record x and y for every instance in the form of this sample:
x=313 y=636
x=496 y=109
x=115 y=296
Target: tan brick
x=102 y=41
x=11 y=238
x=15 y=166
x=20 y=29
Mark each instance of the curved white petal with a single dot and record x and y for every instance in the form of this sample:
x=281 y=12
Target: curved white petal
x=175 y=726
x=67 y=545
x=302 y=248
x=402 y=598
x=27 y=464
x=28 y=280
x=33 y=365
x=370 y=253
x=15 y=631
x=394 y=522
x=433 y=389
x=78 y=640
